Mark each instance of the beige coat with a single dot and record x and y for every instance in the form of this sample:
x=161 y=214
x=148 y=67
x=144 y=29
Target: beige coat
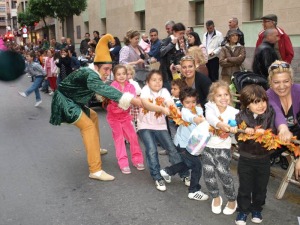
x=231 y=61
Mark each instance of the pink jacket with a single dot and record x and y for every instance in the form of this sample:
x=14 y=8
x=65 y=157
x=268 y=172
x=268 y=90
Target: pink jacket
x=52 y=65
x=145 y=46
x=115 y=112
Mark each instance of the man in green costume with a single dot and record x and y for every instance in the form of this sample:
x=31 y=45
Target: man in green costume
x=73 y=93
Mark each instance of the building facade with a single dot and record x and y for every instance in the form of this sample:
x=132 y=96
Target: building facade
x=118 y=16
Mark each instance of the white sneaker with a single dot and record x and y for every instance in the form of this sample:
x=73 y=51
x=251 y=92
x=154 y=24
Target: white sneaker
x=187 y=181
x=103 y=151
x=165 y=175
x=198 y=195
x=38 y=103
x=22 y=94
x=101 y=175
x=51 y=93
x=160 y=185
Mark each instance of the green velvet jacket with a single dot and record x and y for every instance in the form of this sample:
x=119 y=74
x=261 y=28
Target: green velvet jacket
x=73 y=93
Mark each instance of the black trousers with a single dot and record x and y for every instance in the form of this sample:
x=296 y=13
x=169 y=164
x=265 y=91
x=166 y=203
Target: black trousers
x=213 y=69
x=189 y=162
x=254 y=177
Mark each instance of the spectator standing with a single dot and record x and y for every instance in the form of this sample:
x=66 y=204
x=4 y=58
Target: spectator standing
x=265 y=54
x=115 y=51
x=172 y=49
x=283 y=47
x=55 y=45
x=84 y=44
x=63 y=43
x=51 y=70
x=233 y=23
x=155 y=44
x=71 y=46
x=169 y=27
x=232 y=55
x=64 y=63
x=212 y=40
x=94 y=42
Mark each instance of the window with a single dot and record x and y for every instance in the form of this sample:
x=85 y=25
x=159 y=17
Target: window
x=2 y=9
x=2 y=19
x=256 y=9
x=199 y=12
x=142 y=20
x=13 y=4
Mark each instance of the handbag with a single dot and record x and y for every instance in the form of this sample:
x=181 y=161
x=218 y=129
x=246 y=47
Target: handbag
x=198 y=139
x=141 y=75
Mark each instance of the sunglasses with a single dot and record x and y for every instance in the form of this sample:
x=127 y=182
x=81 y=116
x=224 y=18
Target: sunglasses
x=276 y=66
x=188 y=57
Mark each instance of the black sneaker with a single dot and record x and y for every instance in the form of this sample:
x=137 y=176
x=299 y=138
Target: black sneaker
x=256 y=217
x=241 y=219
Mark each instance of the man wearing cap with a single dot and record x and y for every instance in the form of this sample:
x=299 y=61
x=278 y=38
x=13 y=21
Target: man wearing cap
x=283 y=47
x=73 y=93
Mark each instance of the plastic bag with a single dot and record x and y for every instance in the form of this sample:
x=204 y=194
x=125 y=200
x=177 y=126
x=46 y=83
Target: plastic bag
x=198 y=139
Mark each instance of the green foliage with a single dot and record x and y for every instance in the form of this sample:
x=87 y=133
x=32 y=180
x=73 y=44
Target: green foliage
x=57 y=9
x=68 y=8
x=26 y=18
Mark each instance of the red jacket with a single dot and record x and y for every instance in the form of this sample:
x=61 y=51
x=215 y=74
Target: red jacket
x=285 y=45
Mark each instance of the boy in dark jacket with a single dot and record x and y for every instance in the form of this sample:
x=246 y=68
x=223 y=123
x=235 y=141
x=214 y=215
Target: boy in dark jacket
x=254 y=161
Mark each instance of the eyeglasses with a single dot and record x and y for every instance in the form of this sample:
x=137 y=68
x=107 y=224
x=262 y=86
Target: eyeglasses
x=276 y=66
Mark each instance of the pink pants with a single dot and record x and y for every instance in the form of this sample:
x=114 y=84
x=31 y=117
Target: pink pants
x=120 y=131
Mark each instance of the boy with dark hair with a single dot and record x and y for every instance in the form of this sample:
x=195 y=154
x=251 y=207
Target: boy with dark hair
x=188 y=97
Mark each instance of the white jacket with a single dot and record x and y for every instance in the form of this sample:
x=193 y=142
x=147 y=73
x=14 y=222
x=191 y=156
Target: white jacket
x=213 y=116
x=214 y=45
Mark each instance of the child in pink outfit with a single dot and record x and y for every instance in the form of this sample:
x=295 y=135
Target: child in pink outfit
x=121 y=125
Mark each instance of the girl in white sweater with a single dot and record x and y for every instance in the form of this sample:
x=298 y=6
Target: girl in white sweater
x=217 y=155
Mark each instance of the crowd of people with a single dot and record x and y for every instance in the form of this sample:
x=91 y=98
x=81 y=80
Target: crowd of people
x=186 y=77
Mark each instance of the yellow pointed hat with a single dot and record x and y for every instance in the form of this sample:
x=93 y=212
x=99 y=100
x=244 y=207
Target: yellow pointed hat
x=102 y=51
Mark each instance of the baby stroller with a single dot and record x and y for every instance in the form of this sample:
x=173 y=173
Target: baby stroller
x=240 y=79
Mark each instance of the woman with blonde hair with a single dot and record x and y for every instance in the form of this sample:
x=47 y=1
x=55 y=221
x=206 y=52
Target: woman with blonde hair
x=284 y=97
x=195 y=79
x=200 y=60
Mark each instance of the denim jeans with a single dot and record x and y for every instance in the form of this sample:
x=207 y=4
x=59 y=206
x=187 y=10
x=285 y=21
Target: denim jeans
x=35 y=87
x=150 y=139
x=189 y=162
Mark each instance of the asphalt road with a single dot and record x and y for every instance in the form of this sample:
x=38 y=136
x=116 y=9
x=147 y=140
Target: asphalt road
x=44 y=178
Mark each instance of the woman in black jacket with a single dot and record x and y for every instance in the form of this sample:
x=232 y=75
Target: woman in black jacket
x=64 y=63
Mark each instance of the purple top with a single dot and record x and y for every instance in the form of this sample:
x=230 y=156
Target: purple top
x=127 y=55
x=275 y=102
